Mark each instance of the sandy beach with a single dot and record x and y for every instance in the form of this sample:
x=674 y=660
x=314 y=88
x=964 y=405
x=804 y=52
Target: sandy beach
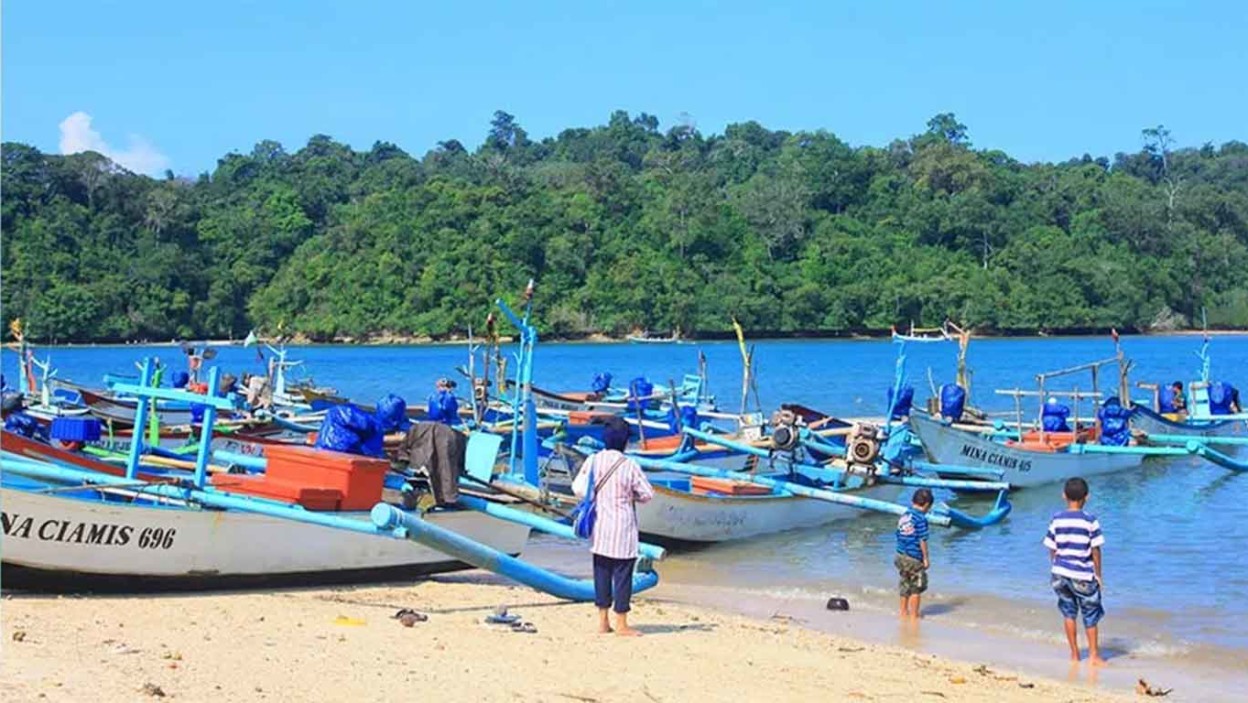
x=344 y=644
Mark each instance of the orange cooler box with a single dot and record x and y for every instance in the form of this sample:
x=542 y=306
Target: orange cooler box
x=310 y=497
x=728 y=487
x=360 y=479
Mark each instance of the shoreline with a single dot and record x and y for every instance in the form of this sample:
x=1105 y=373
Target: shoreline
x=335 y=643
x=424 y=341
x=943 y=635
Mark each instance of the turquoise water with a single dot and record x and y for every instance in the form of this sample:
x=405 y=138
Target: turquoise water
x=1176 y=530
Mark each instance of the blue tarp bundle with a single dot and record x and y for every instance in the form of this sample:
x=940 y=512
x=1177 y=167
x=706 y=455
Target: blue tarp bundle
x=952 y=401
x=349 y=429
x=639 y=388
x=392 y=414
x=25 y=425
x=1165 y=400
x=601 y=384
x=1221 y=394
x=180 y=379
x=1053 y=418
x=905 y=400
x=443 y=407
x=688 y=417
x=1115 y=423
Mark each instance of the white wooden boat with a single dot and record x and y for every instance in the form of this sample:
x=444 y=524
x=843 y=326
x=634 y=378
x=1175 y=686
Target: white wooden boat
x=83 y=540
x=678 y=515
x=1024 y=468
x=1150 y=422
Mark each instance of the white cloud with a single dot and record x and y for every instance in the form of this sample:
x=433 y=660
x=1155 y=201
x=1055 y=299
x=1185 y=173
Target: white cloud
x=141 y=156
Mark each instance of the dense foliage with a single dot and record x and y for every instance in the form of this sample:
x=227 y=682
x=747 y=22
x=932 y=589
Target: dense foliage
x=627 y=227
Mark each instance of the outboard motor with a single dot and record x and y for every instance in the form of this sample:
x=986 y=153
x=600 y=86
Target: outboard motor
x=785 y=434
x=862 y=447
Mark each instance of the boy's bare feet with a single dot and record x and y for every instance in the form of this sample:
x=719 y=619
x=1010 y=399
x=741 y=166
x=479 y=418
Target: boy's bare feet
x=1095 y=660
x=628 y=632
x=605 y=630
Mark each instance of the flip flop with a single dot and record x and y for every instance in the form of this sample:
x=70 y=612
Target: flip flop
x=410 y=614
x=525 y=627
x=503 y=619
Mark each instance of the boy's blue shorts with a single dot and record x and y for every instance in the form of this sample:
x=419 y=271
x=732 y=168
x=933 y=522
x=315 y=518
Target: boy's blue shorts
x=1075 y=597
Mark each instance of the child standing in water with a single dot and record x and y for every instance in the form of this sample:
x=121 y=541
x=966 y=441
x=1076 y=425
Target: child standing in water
x=911 y=559
x=1074 y=540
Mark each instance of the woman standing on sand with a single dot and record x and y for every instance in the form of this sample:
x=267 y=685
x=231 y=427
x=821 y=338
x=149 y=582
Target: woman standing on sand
x=619 y=483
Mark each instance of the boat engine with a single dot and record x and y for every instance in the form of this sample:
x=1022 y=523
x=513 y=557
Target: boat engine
x=785 y=435
x=862 y=447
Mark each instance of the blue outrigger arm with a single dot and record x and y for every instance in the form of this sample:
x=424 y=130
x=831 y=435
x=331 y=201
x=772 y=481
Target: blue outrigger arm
x=1214 y=456
x=388 y=517
x=1185 y=438
x=796 y=489
x=1000 y=509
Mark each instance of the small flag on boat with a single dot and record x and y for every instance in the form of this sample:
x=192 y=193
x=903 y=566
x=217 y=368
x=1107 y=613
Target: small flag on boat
x=251 y=339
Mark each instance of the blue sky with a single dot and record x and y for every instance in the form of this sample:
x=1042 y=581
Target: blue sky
x=179 y=84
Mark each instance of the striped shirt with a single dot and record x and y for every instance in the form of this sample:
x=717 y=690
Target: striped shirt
x=1072 y=536
x=911 y=531
x=615 y=526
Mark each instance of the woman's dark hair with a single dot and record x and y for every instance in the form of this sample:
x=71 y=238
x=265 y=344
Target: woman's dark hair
x=615 y=433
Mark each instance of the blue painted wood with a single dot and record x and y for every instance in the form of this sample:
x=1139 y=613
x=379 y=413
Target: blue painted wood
x=388 y=517
x=206 y=424
x=140 y=421
x=542 y=524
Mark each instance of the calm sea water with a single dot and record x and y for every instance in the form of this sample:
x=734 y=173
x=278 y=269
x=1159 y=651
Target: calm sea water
x=1176 y=530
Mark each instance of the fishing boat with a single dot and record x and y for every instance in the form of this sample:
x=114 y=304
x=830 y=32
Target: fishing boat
x=644 y=338
x=1024 y=464
x=1203 y=418
x=101 y=538
x=36 y=393
x=308 y=516
x=1151 y=423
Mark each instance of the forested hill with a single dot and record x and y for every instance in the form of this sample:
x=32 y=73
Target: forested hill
x=627 y=226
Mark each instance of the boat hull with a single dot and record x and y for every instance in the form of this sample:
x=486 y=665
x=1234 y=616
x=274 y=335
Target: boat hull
x=1023 y=469
x=121 y=411
x=61 y=543
x=678 y=516
x=1149 y=422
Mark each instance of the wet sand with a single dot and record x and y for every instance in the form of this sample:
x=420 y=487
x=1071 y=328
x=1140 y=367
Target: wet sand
x=343 y=644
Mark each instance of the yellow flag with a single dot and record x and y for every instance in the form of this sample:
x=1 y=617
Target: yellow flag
x=740 y=335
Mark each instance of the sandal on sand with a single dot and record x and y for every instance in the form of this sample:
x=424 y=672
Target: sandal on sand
x=409 y=614
x=500 y=616
x=525 y=627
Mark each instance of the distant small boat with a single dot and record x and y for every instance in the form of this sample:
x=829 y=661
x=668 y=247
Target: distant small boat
x=646 y=339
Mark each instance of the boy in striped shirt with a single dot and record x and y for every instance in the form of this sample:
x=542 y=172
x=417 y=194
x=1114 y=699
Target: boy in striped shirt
x=1074 y=540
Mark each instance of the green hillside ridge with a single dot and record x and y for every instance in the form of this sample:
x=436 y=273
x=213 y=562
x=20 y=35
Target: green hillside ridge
x=626 y=226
